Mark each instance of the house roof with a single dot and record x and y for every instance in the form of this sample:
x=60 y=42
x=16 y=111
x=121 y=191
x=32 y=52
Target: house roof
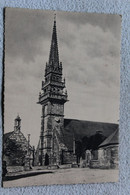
x=111 y=140
x=12 y=133
x=6 y=135
x=77 y=129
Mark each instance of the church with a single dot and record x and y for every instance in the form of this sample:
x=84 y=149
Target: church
x=16 y=146
x=61 y=139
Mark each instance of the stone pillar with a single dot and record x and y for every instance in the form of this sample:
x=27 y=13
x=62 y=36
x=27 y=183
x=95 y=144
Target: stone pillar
x=27 y=163
x=88 y=157
x=27 y=157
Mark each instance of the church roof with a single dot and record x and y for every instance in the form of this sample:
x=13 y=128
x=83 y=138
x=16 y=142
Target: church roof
x=17 y=136
x=111 y=140
x=6 y=135
x=80 y=128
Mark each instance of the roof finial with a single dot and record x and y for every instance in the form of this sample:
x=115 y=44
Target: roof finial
x=54 y=17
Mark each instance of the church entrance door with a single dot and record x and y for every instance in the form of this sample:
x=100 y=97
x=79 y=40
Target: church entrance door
x=46 y=159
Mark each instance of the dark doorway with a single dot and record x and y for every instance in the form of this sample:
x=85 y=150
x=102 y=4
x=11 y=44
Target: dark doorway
x=62 y=158
x=46 y=159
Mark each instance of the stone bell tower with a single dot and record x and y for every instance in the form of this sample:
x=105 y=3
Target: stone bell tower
x=52 y=99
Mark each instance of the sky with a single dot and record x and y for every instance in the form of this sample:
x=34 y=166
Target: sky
x=89 y=49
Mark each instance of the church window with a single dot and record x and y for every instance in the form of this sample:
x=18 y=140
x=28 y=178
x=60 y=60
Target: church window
x=45 y=110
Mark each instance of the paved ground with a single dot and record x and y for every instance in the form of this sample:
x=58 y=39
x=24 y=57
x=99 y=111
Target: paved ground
x=66 y=176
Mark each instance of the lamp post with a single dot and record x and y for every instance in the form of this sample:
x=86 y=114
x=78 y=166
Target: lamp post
x=28 y=148
x=33 y=162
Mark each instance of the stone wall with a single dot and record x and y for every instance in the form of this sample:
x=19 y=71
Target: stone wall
x=94 y=164
x=15 y=169
x=68 y=157
x=107 y=158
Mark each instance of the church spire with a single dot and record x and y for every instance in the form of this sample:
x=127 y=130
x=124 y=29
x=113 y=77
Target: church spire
x=52 y=100
x=54 y=55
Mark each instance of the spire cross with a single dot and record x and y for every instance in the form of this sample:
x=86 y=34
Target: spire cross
x=55 y=17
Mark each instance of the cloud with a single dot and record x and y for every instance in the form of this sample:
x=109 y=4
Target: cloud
x=107 y=22
x=24 y=32
x=94 y=56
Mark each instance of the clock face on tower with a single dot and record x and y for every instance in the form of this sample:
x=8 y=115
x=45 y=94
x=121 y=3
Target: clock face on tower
x=57 y=119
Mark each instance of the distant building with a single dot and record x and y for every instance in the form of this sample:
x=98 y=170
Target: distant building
x=58 y=137
x=16 y=146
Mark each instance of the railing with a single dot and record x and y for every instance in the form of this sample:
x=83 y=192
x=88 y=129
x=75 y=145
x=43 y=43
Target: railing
x=57 y=83
x=52 y=95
